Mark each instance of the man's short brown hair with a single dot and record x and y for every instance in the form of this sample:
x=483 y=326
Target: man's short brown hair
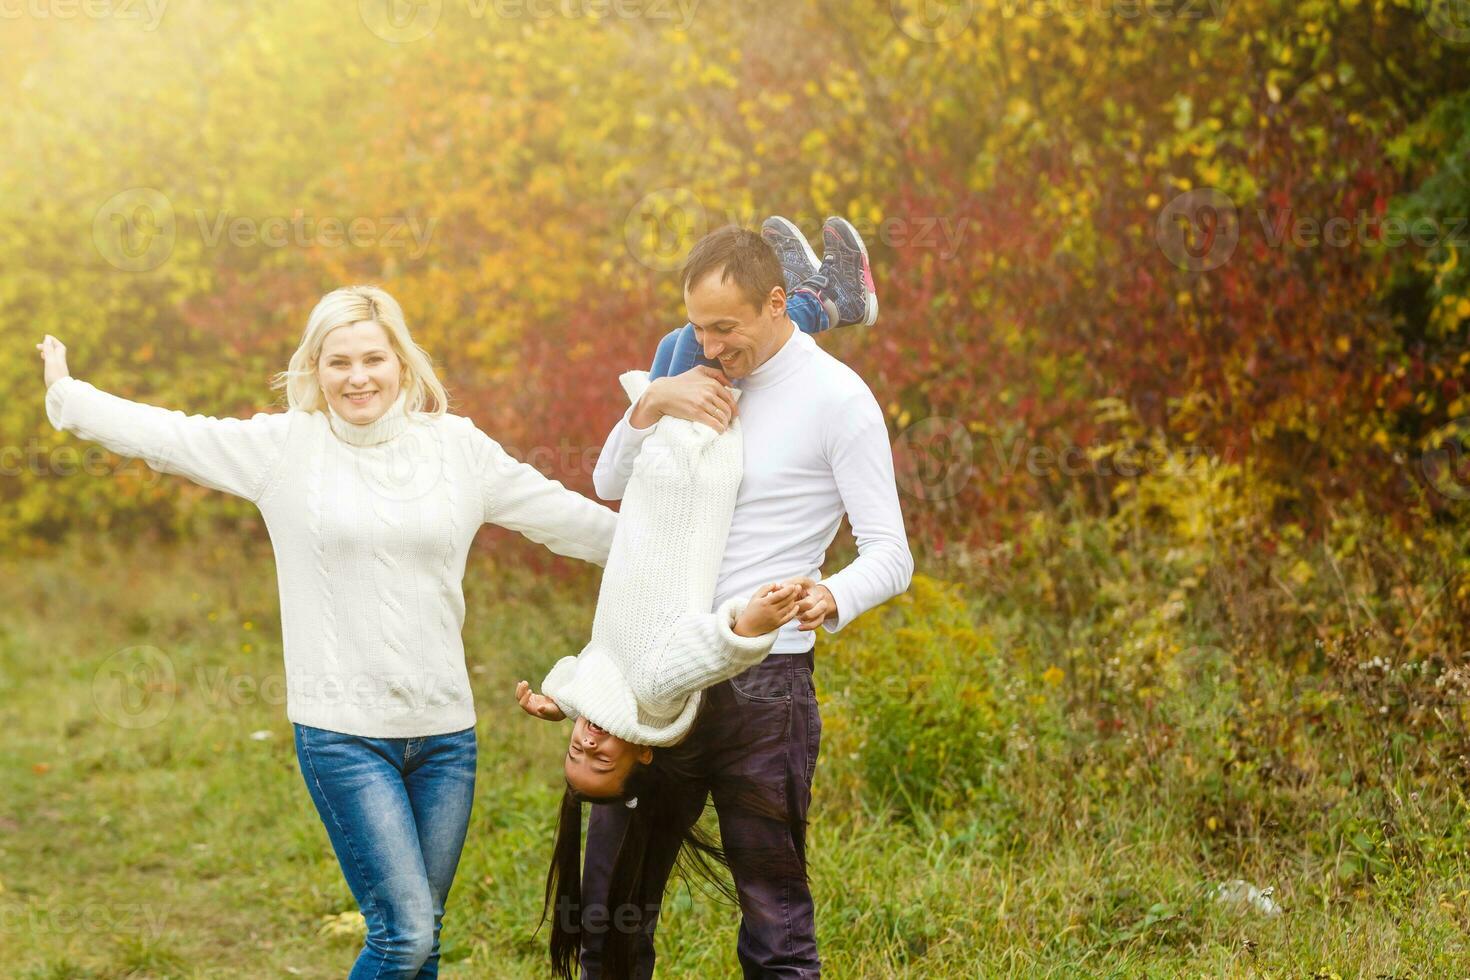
x=746 y=258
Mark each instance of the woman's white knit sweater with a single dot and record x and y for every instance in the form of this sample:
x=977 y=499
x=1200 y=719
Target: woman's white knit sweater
x=371 y=526
x=655 y=645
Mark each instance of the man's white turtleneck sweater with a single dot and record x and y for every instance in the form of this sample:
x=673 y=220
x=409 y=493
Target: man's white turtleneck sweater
x=815 y=447
x=371 y=527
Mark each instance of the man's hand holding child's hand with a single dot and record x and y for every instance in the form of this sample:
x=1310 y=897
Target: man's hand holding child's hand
x=771 y=607
x=538 y=705
x=816 y=604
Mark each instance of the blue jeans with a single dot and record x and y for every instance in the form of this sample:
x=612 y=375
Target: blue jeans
x=397 y=810
x=679 y=350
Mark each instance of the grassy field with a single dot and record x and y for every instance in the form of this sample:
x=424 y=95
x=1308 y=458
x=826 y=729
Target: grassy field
x=1013 y=842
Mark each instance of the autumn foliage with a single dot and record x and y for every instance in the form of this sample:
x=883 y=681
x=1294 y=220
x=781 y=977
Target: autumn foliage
x=1046 y=189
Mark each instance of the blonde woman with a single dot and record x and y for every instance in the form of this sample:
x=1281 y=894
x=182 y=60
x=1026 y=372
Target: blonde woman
x=372 y=494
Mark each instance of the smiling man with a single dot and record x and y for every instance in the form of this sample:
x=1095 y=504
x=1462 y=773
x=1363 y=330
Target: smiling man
x=815 y=448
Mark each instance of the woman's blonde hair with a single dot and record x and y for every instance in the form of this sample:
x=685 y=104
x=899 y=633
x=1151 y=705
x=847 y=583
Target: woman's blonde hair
x=346 y=306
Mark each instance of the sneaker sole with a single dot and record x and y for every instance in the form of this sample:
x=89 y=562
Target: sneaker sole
x=790 y=230
x=870 y=309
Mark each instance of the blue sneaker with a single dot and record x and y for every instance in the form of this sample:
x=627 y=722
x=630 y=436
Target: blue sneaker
x=845 y=277
x=798 y=261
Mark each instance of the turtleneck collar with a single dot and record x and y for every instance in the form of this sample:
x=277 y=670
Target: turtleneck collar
x=380 y=430
x=781 y=364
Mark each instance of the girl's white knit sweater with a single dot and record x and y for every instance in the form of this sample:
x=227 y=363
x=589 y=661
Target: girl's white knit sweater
x=371 y=526
x=655 y=645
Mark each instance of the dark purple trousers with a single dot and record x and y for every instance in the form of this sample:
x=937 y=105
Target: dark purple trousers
x=754 y=747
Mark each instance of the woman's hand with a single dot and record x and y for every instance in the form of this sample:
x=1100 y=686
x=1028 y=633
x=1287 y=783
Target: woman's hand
x=772 y=607
x=538 y=705
x=53 y=352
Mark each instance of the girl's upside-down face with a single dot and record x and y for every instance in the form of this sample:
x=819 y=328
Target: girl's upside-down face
x=598 y=762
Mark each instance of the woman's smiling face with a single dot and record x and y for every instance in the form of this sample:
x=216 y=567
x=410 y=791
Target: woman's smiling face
x=598 y=761
x=359 y=372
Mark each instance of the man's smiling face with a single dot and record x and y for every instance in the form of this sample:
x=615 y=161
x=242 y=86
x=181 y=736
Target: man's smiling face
x=741 y=337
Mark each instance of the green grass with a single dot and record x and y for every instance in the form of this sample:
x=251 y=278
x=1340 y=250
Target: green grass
x=185 y=848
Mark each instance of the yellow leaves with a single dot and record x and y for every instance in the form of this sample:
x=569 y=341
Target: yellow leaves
x=350 y=925
x=1301 y=573
x=1053 y=676
x=717 y=75
x=824 y=189
x=1450 y=263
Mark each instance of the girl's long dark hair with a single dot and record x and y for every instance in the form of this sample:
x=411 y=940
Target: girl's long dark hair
x=666 y=817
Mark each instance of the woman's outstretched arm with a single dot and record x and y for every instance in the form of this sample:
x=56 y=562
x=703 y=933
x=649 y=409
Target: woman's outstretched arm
x=237 y=456
x=520 y=497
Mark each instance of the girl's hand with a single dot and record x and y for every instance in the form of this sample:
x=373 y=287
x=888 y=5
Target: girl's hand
x=53 y=352
x=772 y=607
x=538 y=705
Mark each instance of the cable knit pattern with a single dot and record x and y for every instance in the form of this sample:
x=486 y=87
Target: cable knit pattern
x=371 y=526
x=655 y=644
x=315 y=509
